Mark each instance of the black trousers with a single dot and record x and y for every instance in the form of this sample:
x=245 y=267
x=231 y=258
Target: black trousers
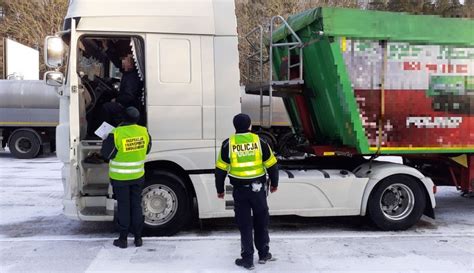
x=129 y=201
x=251 y=216
x=112 y=113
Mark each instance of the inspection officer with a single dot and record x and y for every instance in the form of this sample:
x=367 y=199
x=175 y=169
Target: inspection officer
x=247 y=159
x=126 y=147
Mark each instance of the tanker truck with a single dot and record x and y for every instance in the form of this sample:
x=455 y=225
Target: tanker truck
x=189 y=64
x=29 y=112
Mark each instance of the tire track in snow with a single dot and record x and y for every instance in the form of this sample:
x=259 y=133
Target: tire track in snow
x=237 y=237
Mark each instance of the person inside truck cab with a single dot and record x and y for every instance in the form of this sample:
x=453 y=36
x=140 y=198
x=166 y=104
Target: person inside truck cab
x=131 y=85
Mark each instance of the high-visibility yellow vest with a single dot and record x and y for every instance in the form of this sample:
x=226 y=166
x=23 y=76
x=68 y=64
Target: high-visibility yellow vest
x=131 y=142
x=245 y=156
x=245 y=165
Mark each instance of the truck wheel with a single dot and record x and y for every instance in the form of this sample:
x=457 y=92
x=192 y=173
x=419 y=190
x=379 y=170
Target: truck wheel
x=396 y=203
x=165 y=204
x=24 y=144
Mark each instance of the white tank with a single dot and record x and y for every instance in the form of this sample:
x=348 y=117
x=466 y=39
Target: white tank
x=251 y=106
x=27 y=94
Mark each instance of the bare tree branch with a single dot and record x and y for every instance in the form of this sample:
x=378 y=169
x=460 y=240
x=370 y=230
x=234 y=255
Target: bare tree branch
x=251 y=13
x=30 y=21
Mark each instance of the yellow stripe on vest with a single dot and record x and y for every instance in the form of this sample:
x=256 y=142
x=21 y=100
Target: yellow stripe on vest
x=222 y=165
x=270 y=162
x=246 y=174
x=247 y=164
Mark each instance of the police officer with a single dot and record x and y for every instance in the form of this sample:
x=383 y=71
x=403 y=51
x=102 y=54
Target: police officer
x=247 y=159
x=126 y=147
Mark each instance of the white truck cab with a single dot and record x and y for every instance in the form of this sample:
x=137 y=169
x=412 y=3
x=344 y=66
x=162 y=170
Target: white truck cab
x=187 y=55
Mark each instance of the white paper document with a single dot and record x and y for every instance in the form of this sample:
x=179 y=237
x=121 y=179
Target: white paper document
x=104 y=130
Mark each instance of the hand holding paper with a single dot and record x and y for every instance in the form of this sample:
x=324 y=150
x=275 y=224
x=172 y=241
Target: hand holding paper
x=104 y=130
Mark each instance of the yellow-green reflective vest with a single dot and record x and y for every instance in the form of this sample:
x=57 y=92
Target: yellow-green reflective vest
x=131 y=142
x=245 y=156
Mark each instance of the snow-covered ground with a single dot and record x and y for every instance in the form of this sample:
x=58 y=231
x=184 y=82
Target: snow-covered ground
x=36 y=237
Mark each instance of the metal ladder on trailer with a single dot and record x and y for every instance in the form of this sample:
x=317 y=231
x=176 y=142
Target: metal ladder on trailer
x=269 y=85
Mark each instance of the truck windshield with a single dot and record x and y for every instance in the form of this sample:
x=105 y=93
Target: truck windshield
x=88 y=66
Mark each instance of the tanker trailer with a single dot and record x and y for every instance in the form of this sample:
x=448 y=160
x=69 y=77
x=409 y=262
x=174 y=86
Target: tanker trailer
x=29 y=113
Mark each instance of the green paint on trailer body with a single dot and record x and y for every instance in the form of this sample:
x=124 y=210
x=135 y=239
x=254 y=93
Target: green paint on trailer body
x=329 y=91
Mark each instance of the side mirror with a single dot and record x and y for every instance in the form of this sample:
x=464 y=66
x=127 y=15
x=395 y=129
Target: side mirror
x=54 y=78
x=54 y=51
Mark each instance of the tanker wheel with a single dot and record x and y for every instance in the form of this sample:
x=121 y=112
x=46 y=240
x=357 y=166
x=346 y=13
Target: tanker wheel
x=396 y=203
x=24 y=144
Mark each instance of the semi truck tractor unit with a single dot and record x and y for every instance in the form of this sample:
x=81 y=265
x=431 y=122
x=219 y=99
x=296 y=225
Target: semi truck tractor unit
x=188 y=63
x=29 y=114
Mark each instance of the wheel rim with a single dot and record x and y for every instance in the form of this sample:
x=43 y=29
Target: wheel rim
x=397 y=201
x=159 y=203
x=23 y=145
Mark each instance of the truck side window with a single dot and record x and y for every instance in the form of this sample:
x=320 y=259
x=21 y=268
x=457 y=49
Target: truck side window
x=114 y=72
x=175 y=61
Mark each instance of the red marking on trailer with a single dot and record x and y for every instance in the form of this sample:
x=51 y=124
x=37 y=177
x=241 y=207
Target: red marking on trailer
x=403 y=104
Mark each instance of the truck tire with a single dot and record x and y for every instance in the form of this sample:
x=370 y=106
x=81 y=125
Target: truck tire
x=396 y=203
x=24 y=144
x=165 y=203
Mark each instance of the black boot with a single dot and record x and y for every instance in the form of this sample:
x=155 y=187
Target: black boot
x=138 y=241
x=121 y=242
x=244 y=264
x=266 y=258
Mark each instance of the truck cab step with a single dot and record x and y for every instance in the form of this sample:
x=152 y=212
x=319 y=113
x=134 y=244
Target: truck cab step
x=96 y=214
x=95 y=189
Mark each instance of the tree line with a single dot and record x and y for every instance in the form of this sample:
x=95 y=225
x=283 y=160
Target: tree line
x=29 y=21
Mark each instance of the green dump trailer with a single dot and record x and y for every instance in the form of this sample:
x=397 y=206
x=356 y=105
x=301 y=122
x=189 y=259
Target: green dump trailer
x=380 y=83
